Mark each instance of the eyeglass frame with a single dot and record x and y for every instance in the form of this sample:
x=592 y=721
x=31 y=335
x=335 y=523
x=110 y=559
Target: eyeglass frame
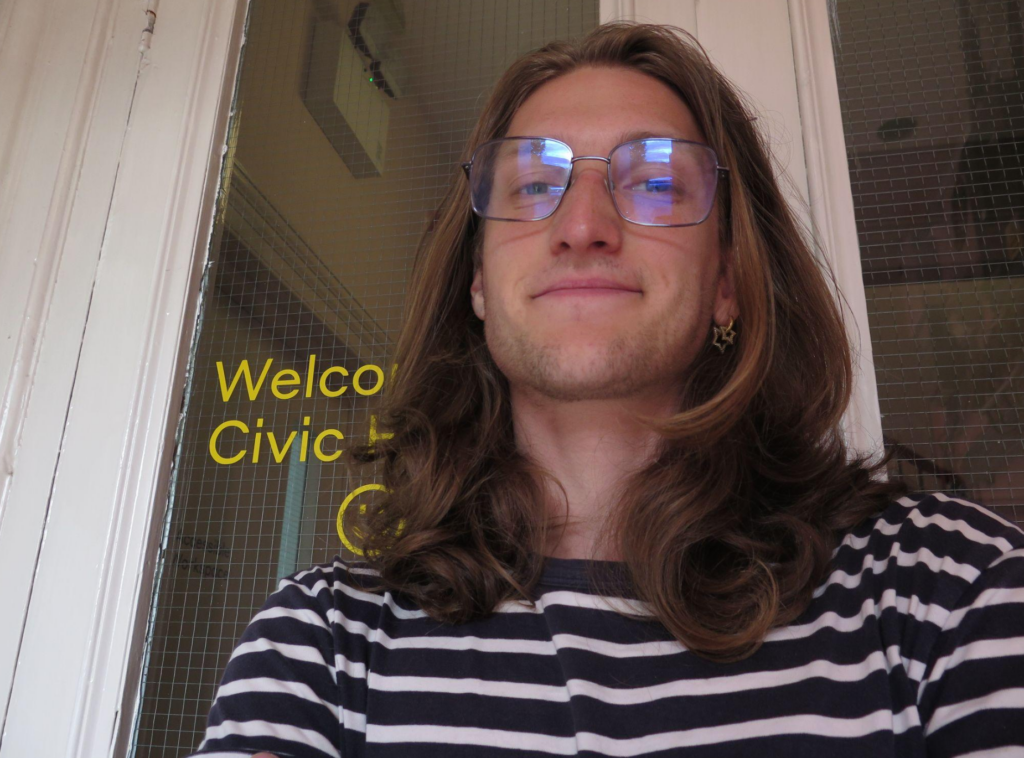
x=719 y=170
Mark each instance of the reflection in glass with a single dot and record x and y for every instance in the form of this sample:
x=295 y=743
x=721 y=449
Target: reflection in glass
x=931 y=98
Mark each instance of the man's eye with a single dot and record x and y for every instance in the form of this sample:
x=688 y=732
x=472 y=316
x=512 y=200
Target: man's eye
x=659 y=185
x=535 y=188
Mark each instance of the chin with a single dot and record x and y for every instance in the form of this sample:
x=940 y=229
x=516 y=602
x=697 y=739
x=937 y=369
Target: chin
x=584 y=373
x=572 y=358
x=582 y=338
x=566 y=391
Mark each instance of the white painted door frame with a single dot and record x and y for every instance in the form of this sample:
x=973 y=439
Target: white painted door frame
x=110 y=151
x=111 y=140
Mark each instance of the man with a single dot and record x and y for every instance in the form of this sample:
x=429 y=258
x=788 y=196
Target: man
x=620 y=515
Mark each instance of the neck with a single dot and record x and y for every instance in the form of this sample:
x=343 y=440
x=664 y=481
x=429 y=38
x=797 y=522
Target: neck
x=590 y=447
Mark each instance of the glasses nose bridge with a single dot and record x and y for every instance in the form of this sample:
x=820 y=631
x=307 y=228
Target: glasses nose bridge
x=572 y=161
x=572 y=165
x=571 y=178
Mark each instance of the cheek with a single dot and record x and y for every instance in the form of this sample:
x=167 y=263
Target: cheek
x=683 y=284
x=511 y=263
x=674 y=269
x=499 y=292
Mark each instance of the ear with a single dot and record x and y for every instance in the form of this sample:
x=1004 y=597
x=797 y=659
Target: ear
x=476 y=292
x=726 y=307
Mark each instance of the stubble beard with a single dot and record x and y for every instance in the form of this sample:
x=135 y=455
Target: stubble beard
x=627 y=365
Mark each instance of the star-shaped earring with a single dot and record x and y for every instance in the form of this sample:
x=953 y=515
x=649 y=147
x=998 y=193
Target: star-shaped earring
x=726 y=334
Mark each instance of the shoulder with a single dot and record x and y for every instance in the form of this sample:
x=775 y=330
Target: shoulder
x=326 y=585
x=948 y=585
x=333 y=575
x=293 y=674
x=942 y=525
x=925 y=553
x=342 y=593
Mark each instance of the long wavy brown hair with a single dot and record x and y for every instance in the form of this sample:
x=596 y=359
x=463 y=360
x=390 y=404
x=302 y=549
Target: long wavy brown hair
x=729 y=529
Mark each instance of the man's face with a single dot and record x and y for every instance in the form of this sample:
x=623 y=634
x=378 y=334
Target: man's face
x=590 y=343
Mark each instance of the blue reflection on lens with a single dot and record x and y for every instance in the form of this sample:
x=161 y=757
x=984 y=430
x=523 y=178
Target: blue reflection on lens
x=657 y=150
x=660 y=184
x=555 y=154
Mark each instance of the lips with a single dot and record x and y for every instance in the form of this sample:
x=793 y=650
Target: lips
x=588 y=283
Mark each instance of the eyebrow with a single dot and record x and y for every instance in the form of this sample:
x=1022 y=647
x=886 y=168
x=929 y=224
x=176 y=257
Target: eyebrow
x=645 y=134
x=628 y=136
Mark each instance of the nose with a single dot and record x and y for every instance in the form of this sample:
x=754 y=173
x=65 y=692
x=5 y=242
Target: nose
x=586 y=219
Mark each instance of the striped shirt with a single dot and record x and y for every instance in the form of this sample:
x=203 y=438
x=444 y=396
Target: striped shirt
x=912 y=646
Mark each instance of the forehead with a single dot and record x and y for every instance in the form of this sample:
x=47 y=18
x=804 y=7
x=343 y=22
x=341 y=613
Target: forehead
x=596 y=108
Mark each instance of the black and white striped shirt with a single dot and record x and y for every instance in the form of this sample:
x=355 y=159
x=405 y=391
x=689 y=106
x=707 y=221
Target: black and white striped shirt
x=913 y=646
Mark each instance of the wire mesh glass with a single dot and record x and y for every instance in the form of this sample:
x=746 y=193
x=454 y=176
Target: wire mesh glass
x=349 y=123
x=933 y=113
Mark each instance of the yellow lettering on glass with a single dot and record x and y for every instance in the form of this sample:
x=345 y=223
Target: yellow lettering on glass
x=362 y=509
x=374 y=436
x=226 y=390
x=279 y=454
x=215 y=454
x=323 y=381
x=318 y=443
x=359 y=373
x=289 y=377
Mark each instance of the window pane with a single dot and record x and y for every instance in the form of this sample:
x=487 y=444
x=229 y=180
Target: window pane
x=931 y=97
x=349 y=122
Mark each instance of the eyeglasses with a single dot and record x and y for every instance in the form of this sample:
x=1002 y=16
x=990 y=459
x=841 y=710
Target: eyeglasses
x=657 y=181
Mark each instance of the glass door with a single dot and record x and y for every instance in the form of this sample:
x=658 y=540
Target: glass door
x=931 y=97
x=348 y=123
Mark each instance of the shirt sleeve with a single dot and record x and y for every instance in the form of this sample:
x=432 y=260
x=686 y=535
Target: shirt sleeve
x=279 y=692
x=972 y=699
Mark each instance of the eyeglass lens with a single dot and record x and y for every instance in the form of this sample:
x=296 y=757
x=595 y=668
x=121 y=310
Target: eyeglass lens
x=661 y=182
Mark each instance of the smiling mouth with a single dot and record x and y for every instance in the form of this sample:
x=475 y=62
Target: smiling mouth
x=589 y=292
x=588 y=285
